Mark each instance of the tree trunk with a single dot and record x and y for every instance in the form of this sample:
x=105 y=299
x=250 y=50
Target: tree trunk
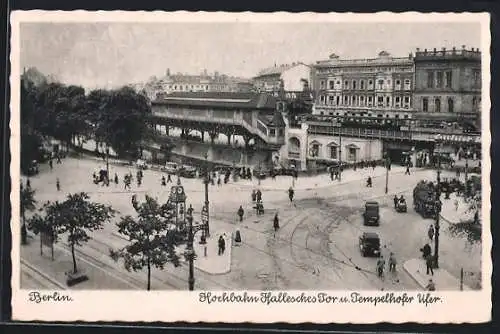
x=75 y=270
x=96 y=146
x=149 y=274
x=24 y=233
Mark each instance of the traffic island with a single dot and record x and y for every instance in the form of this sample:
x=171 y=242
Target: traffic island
x=443 y=280
x=207 y=255
x=73 y=278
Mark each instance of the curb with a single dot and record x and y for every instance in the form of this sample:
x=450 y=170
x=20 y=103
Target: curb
x=44 y=275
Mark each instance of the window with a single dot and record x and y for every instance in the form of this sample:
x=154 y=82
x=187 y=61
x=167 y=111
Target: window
x=398 y=82
x=450 y=104
x=430 y=79
x=380 y=84
x=387 y=101
x=281 y=132
x=380 y=101
x=353 y=84
x=346 y=84
x=330 y=99
x=369 y=99
x=330 y=84
x=315 y=150
x=345 y=99
x=437 y=104
x=370 y=82
x=352 y=154
x=272 y=132
x=322 y=99
x=439 y=79
x=354 y=100
x=425 y=104
x=407 y=84
x=362 y=84
x=477 y=77
x=407 y=99
x=448 y=79
x=338 y=100
x=474 y=102
x=397 y=101
x=333 y=152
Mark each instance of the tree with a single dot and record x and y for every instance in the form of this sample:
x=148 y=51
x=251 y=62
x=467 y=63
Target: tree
x=27 y=203
x=42 y=225
x=76 y=216
x=152 y=235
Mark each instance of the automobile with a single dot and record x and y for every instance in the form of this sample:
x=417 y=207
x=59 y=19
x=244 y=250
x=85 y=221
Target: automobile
x=170 y=167
x=141 y=164
x=187 y=171
x=371 y=216
x=260 y=174
x=33 y=168
x=284 y=171
x=401 y=205
x=369 y=244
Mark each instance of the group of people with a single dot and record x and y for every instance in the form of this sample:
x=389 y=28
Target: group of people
x=381 y=265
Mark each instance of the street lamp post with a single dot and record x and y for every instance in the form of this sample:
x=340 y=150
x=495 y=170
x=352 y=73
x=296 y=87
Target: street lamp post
x=437 y=206
x=339 y=126
x=189 y=253
x=258 y=175
x=386 y=172
x=206 y=181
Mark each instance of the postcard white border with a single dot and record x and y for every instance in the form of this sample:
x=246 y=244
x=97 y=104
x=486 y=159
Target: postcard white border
x=458 y=307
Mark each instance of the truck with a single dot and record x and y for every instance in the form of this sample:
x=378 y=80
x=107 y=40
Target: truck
x=424 y=199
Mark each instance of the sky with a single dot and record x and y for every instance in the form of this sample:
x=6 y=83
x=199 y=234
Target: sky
x=106 y=55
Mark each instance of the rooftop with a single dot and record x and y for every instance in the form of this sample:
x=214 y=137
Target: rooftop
x=219 y=99
x=447 y=54
x=384 y=58
x=276 y=70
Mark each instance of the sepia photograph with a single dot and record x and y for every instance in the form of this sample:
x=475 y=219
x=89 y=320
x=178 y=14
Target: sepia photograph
x=245 y=156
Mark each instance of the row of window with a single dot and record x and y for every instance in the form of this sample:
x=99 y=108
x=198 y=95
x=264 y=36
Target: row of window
x=333 y=152
x=366 y=70
x=362 y=101
x=381 y=84
x=450 y=104
x=439 y=79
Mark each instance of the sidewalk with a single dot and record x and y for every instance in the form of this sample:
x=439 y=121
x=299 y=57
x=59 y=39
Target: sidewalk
x=443 y=280
x=213 y=263
x=55 y=271
x=318 y=181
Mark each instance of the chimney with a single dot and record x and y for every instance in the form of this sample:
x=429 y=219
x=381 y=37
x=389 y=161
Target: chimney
x=418 y=49
x=463 y=47
x=434 y=50
x=454 y=50
x=425 y=51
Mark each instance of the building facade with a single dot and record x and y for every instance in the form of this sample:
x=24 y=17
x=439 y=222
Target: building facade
x=448 y=81
x=366 y=86
x=293 y=77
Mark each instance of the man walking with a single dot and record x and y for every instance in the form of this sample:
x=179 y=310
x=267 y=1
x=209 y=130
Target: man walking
x=291 y=192
x=58 y=185
x=380 y=267
x=276 y=224
x=222 y=245
x=392 y=263
x=430 y=232
x=241 y=212
x=407 y=172
x=429 y=261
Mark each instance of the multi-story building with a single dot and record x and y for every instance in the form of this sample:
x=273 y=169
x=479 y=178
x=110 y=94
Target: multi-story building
x=448 y=81
x=293 y=77
x=368 y=86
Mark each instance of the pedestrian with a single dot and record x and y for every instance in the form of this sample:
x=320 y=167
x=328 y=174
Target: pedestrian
x=429 y=261
x=237 y=237
x=58 y=156
x=169 y=178
x=139 y=182
x=222 y=245
x=476 y=217
x=395 y=201
x=58 y=185
x=392 y=263
x=426 y=251
x=259 y=195
x=28 y=184
x=430 y=286
x=254 y=196
x=276 y=224
x=163 y=182
x=380 y=267
x=331 y=173
x=430 y=232
x=407 y=169
x=51 y=164
x=219 y=181
x=116 y=179
x=290 y=194
x=241 y=212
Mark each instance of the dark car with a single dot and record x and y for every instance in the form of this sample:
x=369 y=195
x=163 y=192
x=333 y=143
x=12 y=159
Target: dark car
x=371 y=216
x=187 y=171
x=33 y=168
x=369 y=244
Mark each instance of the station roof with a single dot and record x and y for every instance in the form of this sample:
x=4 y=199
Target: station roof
x=219 y=99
